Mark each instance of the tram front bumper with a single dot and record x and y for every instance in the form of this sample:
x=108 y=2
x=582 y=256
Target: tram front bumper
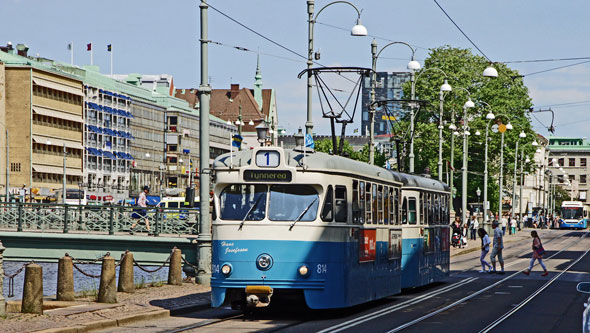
x=258 y=296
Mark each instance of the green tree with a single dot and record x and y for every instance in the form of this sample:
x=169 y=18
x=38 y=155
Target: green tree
x=507 y=96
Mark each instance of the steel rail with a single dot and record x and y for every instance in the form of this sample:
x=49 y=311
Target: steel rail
x=359 y=320
x=471 y=296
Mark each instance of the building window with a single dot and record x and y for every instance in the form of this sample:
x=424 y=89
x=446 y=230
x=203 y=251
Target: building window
x=560 y=179
x=572 y=178
x=14 y=167
x=582 y=179
x=572 y=162
x=583 y=162
x=561 y=162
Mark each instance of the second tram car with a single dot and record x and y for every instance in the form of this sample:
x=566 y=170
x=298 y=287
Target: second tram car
x=321 y=227
x=574 y=215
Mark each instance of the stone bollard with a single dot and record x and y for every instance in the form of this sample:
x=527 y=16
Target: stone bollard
x=126 y=283
x=33 y=290
x=65 y=279
x=175 y=270
x=2 y=300
x=107 y=292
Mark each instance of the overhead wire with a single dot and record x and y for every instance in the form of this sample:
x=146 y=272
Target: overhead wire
x=461 y=30
x=240 y=48
x=556 y=68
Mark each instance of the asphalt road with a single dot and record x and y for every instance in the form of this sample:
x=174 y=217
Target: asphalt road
x=467 y=301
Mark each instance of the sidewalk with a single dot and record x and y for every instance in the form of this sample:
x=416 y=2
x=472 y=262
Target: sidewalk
x=84 y=314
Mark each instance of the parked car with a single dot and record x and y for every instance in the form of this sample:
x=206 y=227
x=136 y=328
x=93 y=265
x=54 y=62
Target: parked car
x=584 y=287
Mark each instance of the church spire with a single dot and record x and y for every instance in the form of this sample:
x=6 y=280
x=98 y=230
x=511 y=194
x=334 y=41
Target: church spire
x=258 y=84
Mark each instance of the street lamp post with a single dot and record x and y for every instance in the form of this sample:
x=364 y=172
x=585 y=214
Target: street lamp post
x=521 y=184
x=412 y=65
x=357 y=30
x=506 y=127
x=468 y=104
x=490 y=117
x=64 y=176
x=522 y=135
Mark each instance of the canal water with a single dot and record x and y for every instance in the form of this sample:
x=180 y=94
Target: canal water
x=82 y=283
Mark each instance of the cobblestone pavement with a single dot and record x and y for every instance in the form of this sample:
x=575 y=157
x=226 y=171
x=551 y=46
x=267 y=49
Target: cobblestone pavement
x=86 y=310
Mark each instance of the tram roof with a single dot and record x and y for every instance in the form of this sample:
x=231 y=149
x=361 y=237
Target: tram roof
x=422 y=182
x=318 y=161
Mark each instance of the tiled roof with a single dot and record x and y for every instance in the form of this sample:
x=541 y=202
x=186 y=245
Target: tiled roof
x=225 y=104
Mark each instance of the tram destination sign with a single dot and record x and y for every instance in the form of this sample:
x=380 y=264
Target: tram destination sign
x=268 y=175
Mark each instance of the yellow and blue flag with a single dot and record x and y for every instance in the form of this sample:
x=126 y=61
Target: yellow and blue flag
x=237 y=140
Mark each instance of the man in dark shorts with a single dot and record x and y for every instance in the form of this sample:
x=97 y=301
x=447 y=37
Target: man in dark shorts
x=142 y=211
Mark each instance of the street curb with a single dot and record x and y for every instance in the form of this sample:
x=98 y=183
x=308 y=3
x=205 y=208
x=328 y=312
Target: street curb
x=106 y=323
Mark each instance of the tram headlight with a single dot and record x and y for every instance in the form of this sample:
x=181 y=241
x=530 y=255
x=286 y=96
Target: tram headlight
x=226 y=269
x=303 y=270
x=264 y=262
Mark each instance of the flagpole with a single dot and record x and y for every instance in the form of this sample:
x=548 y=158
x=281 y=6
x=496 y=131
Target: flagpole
x=231 y=151
x=111 y=59
x=72 y=53
x=91 y=62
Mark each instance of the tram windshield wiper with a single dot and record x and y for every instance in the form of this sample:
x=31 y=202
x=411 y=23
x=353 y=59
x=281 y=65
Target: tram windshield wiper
x=250 y=211
x=303 y=213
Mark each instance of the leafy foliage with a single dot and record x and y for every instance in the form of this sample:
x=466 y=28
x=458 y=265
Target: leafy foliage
x=507 y=98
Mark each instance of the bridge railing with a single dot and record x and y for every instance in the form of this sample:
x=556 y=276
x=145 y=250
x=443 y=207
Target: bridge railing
x=98 y=219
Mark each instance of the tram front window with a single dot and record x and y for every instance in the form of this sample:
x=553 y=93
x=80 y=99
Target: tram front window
x=237 y=201
x=293 y=203
x=571 y=213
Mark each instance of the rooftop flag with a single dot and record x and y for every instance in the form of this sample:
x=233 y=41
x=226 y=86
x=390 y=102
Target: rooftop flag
x=109 y=47
x=89 y=47
x=69 y=46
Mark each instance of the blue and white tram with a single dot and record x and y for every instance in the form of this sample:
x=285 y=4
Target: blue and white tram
x=317 y=225
x=322 y=227
x=574 y=215
x=425 y=231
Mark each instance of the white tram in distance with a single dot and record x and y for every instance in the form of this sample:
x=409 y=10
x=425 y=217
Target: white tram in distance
x=321 y=227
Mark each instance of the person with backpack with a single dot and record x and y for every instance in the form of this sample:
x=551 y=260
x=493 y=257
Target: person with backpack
x=538 y=252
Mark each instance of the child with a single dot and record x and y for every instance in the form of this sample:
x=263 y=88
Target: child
x=485 y=248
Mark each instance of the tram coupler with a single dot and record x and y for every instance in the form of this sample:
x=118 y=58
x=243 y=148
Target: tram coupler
x=258 y=296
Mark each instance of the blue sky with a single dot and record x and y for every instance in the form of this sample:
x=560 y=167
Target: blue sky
x=154 y=37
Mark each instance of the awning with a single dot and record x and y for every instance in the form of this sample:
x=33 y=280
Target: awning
x=56 y=142
x=57 y=86
x=57 y=114
x=56 y=170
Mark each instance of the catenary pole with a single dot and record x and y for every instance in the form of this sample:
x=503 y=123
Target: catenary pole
x=204 y=238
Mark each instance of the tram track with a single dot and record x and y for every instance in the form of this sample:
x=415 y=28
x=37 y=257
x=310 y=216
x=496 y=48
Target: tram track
x=512 y=311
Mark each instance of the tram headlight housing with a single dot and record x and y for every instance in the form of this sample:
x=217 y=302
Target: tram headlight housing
x=226 y=269
x=264 y=262
x=303 y=270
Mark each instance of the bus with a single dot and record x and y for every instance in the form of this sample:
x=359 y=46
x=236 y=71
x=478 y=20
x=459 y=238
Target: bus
x=574 y=215
x=73 y=196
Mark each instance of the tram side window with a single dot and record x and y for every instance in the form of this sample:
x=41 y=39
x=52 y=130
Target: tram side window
x=340 y=204
x=395 y=207
x=386 y=205
x=362 y=202
x=422 y=208
x=405 y=211
x=368 y=206
x=412 y=211
x=356 y=210
x=379 y=204
x=327 y=210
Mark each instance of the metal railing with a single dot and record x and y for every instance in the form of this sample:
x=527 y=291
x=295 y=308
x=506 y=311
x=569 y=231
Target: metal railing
x=98 y=219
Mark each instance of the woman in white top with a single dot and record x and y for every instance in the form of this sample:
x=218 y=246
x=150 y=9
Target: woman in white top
x=485 y=248
x=513 y=226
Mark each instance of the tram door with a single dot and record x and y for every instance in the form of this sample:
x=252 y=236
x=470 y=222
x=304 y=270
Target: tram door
x=411 y=238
